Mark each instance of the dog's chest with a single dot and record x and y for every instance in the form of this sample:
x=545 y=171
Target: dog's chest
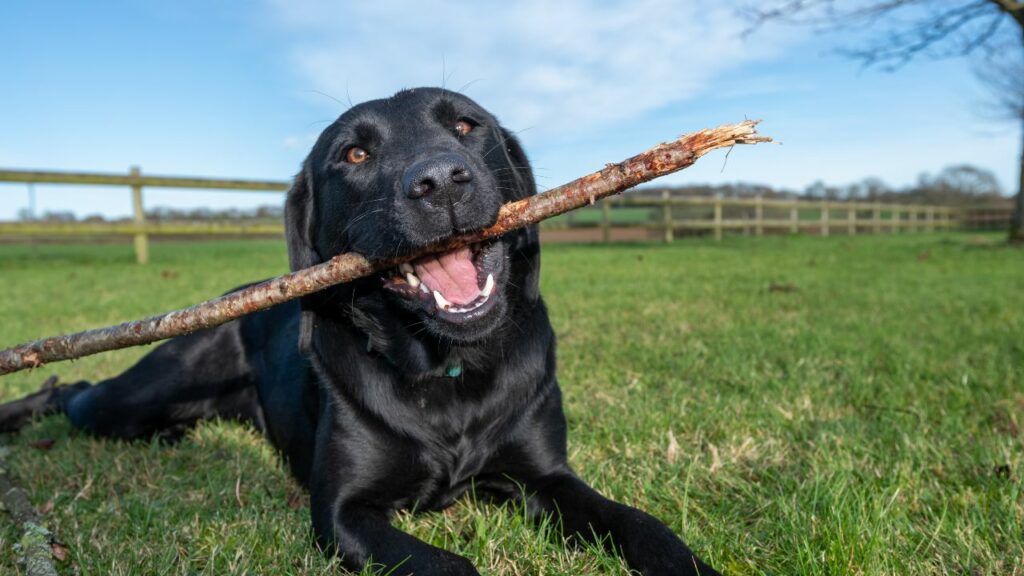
x=450 y=473
x=459 y=441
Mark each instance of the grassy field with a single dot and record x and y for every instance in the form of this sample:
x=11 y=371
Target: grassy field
x=788 y=405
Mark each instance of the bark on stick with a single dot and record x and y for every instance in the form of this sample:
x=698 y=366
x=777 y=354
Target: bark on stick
x=614 y=178
x=35 y=542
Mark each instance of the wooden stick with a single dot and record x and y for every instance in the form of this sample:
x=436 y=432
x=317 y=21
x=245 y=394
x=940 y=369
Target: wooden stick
x=35 y=544
x=614 y=178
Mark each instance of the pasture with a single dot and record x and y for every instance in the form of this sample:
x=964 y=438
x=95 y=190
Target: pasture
x=789 y=405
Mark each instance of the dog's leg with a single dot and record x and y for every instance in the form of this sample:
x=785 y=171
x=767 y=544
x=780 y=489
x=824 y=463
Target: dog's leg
x=647 y=545
x=187 y=379
x=50 y=399
x=361 y=536
x=348 y=492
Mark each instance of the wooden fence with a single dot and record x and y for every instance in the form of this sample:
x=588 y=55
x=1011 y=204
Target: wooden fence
x=139 y=227
x=664 y=216
x=717 y=215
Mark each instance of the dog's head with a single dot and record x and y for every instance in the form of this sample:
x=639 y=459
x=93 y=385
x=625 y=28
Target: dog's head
x=397 y=174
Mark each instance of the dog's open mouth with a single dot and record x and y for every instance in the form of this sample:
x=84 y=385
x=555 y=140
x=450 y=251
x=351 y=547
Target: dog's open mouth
x=457 y=286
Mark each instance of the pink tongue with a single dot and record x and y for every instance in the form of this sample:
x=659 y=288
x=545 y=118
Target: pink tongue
x=452 y=274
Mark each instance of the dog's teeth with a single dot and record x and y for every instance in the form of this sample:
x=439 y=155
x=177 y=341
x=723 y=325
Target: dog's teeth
x=424 y=289
x=406 y=268
x=488 y=286
x=441 y=302
x=412 y=279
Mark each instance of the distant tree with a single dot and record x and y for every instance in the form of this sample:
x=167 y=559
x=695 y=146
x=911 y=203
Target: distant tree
x=874 y=188
x=60 y=216
x=815 y=190
x=853 y=191
x=908 y=29
x=967 y=181
x=269 y=211
x=962 y=185
x=25 y=215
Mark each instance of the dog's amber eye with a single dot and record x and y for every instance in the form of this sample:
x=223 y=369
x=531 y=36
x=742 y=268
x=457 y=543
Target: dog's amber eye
x=356 y=155
x=462 y=127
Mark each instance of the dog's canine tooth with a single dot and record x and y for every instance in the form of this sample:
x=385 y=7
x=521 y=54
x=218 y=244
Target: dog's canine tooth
x=441 y=302
x=406 y=268
x=488 y=286
x=412 y=279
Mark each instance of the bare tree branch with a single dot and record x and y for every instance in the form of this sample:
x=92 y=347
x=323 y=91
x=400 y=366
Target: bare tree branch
x=1003 y=79
x=933 y=28
x=614 y=178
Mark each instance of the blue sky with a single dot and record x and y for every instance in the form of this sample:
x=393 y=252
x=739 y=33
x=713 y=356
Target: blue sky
x=240 y=89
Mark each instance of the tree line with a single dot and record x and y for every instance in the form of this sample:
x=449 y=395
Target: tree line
x=961 y=186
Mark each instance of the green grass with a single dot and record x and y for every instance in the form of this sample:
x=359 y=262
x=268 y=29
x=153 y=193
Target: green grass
x=870 y=421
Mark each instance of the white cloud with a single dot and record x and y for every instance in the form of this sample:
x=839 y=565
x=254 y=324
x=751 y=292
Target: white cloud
x=299 y=141
x=547 y=67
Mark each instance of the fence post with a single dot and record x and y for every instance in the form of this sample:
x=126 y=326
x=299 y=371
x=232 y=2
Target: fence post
x=931 y=218
x=759 y=214
x=894 y=219
x=141 y=240
x=666 y=212
x=851 y=220
x=876 y=218
x=606 y=220
x=718 y=216
x=824 y=217
x=794 y=220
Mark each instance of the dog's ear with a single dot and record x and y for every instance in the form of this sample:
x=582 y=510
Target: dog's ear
x=300 y=221
x=522 y=174
x=526 y=248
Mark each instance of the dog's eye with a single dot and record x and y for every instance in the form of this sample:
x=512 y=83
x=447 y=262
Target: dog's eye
x=463 y=127
x=356 y=155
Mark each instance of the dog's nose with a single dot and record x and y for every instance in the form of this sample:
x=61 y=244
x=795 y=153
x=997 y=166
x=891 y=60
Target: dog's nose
x=443 y=175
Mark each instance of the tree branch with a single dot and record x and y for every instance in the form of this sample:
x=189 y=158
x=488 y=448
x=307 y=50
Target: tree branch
x=1014 y=8
x=614 y=178
x=936 y=28
x=35 y=543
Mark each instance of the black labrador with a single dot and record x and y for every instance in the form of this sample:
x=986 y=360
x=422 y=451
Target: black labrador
x=399 y=391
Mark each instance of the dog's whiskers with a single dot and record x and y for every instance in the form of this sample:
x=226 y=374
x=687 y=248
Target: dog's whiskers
x=361 y=217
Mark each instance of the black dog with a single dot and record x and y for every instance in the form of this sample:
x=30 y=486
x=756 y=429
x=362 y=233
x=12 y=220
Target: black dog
x=399 y=391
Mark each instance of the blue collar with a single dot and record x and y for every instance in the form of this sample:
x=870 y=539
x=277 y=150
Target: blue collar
x=454 y=370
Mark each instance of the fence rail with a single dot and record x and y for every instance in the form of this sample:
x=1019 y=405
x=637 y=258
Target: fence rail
x=135 y=178
x=662 y=216
x=823 y=216
x=139 y=228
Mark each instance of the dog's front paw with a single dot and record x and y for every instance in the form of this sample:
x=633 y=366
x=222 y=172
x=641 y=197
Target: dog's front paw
x=456 y=565
x=673 y=563
x=653 y=550
x=440 y=564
